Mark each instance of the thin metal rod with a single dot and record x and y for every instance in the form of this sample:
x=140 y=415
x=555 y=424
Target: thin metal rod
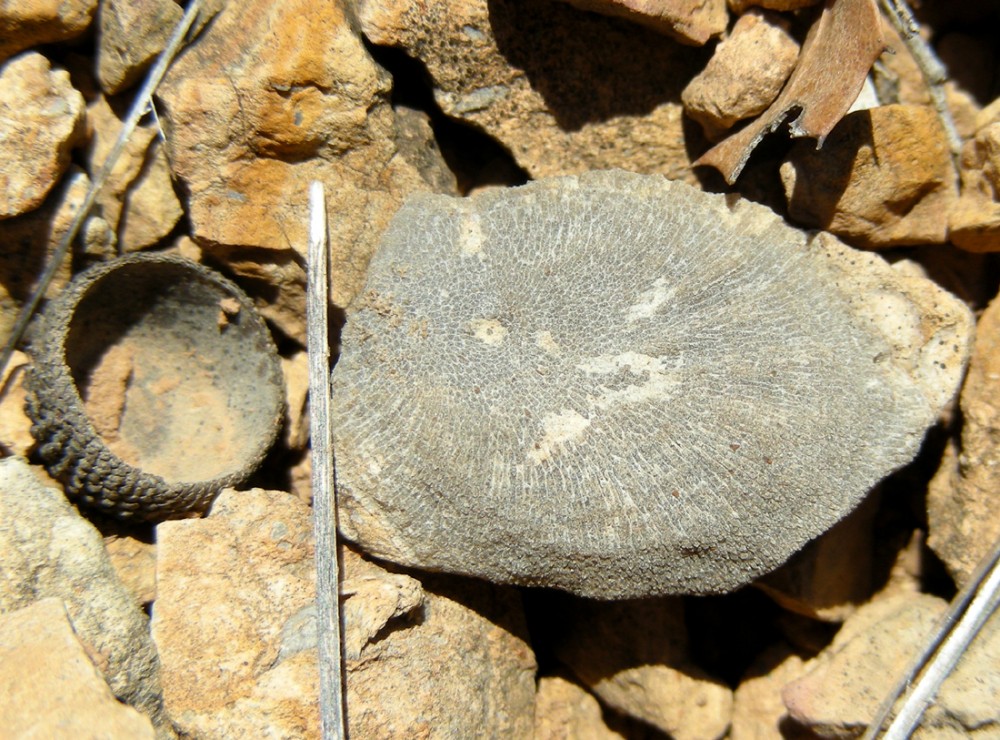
x=331 y=677
x=955 y=630
x=137 y=111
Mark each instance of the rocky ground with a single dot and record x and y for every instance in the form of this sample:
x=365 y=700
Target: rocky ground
x=205 y=627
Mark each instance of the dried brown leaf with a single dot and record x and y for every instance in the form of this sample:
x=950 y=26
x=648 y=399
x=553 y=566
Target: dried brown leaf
x=836 y=56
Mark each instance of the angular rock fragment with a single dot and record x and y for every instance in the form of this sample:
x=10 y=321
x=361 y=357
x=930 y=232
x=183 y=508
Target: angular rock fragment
x=744 y=75
x=596 y=93
x=883 y=178
x=963 y=508
x=49 y=685
x=634 y=656
x=27 y=24
x=845 y=685
x=235 y=620
x=566 y=711
x=974 y=222
x=48 y=549
x=758 y=710
x=132 y=33
x=620 y=386
x=41 y=120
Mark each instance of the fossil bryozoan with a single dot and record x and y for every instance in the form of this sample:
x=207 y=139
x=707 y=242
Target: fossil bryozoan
x=621 y=386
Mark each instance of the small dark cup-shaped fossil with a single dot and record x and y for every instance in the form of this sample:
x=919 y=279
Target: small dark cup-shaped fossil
x=154 y=385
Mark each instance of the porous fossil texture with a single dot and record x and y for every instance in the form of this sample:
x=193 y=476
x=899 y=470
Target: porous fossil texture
x=154 y=385
x=621 y=386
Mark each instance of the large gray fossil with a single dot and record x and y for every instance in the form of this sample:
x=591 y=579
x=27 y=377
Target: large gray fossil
x=621 y=386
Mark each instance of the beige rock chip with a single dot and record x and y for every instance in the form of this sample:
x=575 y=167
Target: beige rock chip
x=846 y=683
x=963 y=507
x=738 y=6
x=883 y=178
x=131 y=34
x=758 y=709
x=134 y=560
x=744 y=75
x=27 y=24
x=41 y=120
x=633 y=656
x=296 y=372
x=235 y=620
x=688 y=21
x=271 y=96
x=47 y=549
x=564 y=91
x=974 y=222
x=138 y=201
x=566 y=711
x=235 y=592
x=50 y=687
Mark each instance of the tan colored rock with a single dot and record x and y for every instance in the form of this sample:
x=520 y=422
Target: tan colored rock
x=564 y=710
x=131 y=34
x=296 y=371
x=744 y=75
x=845 y=684
x=27 y=23
x=138 y=201
x=15 y=426
x=829 y=577
x=47 y=549
x=883 y=178
x=633 y=656
x=49 y=686
x=963 y=508
x=974 y=222
x=134 y=561
x=235 y=620
x=231 y=592
x=41 y=120
x=688 y=21
x=271 y=96
x=758 y=709
x=554 y=100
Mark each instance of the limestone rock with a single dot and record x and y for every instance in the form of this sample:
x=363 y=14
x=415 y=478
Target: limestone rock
x=845 y=685
x=131 y=35
x=744 y=75
x=758 y=710
x=974 y=223
x=49 y=686
x=688 y=21
x=566 y=711
x=633 y=656
x=296 y=372
x=234 y=594
x=593 y=95
x=963 y=508
x=883 y=178
x=26 y=24
x=41 y=120
x=271 y=96
x=138 y=201
x=48 y=550
x=235 y=621
x=495 y=398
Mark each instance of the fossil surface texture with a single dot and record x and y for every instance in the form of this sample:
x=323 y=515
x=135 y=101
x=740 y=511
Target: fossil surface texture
x=620 y=386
